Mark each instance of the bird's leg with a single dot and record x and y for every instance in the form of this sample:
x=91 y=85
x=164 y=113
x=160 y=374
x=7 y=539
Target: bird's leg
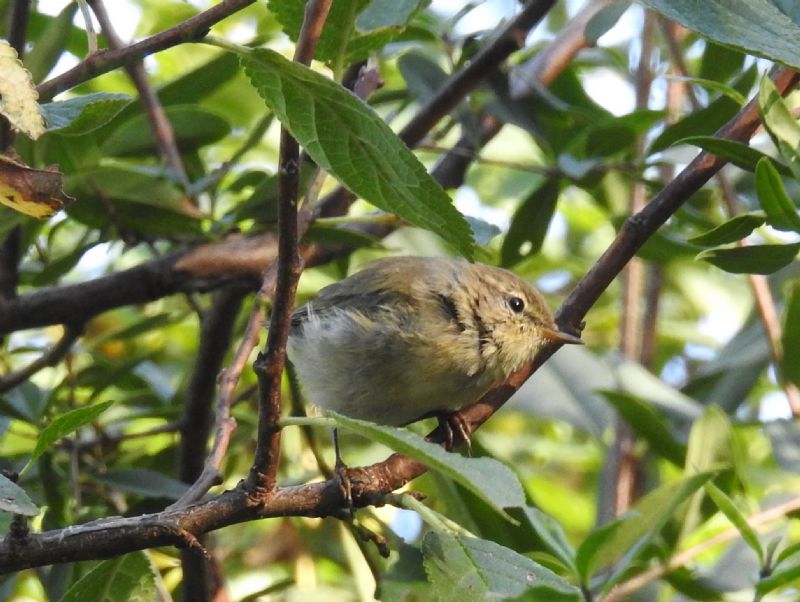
x=340 y=469
x=455 y=425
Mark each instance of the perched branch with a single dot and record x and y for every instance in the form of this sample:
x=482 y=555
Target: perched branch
x=189 y=30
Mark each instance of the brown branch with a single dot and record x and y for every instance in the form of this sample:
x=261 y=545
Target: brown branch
x=163 y=133
x=269 y=366
x=190 y=30
x=457 y=86
x=50 y=358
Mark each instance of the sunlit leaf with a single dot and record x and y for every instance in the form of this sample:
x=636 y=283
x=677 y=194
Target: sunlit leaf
x=752 y=259
x=781 y=211
x=467 y=569
x=344 y=136
x=18 y=96
x=128 y=577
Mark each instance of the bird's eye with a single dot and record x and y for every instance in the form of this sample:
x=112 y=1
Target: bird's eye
x=516 y=304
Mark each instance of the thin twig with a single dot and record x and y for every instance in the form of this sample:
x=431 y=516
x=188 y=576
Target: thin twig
x=162 y=130
x=269 y=366
x=764 y=300
x=681 y=559
x=50 y=358
x=189 y=30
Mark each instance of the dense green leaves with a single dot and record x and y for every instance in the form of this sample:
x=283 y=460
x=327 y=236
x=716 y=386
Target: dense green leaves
x=756 y=26
x=128 y=577
x=346 y=138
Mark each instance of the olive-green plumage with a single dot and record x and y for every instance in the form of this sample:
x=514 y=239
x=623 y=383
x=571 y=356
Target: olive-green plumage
x=409 y=337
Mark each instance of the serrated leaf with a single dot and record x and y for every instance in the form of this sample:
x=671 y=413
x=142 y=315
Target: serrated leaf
x=729 y=509
x=755 y=26
x=741 y=155
x=34 y=192
x=648 y=424
x=753 y=259
x=781 y=211
x=14 y=499
x=734 y=229
x=345 y=137
x=339 y=26
x=490 y=480
x=18 y=95
x=791 y=335
x=466 y=569
x=530 y=223
x=65 y=424
x=84 y=114
x=128 y=577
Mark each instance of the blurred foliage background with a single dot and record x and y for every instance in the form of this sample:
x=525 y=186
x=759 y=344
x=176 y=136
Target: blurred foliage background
x=671 y=435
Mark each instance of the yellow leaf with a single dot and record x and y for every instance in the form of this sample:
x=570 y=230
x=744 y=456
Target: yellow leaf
x=18 y=95
x=35 y=192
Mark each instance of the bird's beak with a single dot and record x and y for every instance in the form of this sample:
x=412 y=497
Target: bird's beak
x=557 y=336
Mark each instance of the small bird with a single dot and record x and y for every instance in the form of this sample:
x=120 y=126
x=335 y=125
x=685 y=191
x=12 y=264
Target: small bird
x=411 y=337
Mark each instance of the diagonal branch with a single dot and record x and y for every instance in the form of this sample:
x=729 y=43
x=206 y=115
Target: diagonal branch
x=189 y=30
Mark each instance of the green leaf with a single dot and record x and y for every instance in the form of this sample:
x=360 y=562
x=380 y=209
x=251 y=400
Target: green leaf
x=704 y=121
x=781 y=211
x=791 y=334
x=777 y=580
x=552 y=534
x=147 y=483
x=586 y=558
x=648 y=424
x=648 y=517
x=491 y=481
x=84 y=114
x=387 y=13
x=780 y=123
x=753 y=259
x=713 y=85
x=741 y=155
x=604 y=20
x=787 y=553
x=755 y=26
x=339 y=26
x=128 y=577
x=466 y=569
x=65 y=424
x=193 y=126
x=345 y=137
x=14 y=499
x=720 y=62
x=50 y=44
x=732 y=230
x=663 y=247
x=729 y=509
x=529 y=225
